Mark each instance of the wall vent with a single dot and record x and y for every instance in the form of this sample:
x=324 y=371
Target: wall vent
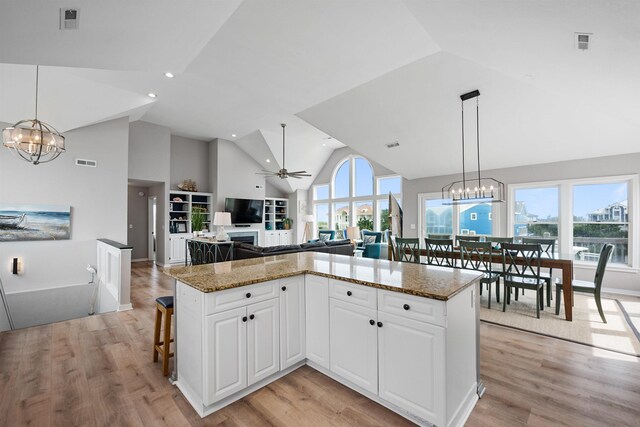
x=393 y=144
x=69 y=19
x=86 y=163
x=583 y=40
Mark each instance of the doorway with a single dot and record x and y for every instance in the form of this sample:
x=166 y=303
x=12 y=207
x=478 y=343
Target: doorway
x=151 y=211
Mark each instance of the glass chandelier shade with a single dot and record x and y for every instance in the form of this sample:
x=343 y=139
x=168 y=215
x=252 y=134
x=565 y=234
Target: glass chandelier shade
x=33 y=140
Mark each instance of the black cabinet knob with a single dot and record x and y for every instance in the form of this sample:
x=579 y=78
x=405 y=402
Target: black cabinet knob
x=244 y=319
x=284 y=288
x=248 y=294
x=372 y=322
x=252 y=317
x=379 y=324
x=406 y=307
x=349 y=293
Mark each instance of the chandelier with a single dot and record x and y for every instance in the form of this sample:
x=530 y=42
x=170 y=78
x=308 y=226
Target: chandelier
x=33 y=140
x=476 y=190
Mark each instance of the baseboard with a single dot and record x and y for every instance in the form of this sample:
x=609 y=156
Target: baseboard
x=617 y=291
x=463 y=412
x=125 y=307
x=140 y=259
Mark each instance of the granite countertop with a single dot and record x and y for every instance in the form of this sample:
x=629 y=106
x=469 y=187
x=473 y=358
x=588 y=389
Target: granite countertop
x=428 y=281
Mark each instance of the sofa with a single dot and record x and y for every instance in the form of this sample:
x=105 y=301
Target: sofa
x=246 y=251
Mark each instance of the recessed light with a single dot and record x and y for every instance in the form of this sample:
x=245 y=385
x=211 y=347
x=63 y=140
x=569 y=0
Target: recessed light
x=233 y=135
x=169 y=75
x=324 y=145
x=152 y=95
x=268 y=161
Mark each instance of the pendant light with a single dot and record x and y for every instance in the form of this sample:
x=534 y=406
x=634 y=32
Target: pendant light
x=475 y=190
x=33 y=140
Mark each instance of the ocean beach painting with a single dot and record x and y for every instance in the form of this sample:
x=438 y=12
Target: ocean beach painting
x=20 y=222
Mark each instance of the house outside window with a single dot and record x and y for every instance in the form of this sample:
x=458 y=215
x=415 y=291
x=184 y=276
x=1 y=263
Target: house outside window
x=437 y=217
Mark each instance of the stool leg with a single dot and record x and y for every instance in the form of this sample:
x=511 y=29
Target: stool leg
x=166 y=346
x=156 y=334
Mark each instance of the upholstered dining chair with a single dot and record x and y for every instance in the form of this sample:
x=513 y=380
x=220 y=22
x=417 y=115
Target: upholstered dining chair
x=437 y=250
x=594 y=288
x=521 y=266
x=477 y=256
x=408 y=249
x=548 y=247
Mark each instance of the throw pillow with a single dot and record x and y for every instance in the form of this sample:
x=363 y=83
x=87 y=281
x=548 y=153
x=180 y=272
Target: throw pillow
x=369 y=239
x=323 y=237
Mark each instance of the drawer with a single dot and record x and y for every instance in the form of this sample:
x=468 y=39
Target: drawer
x=356 y=294
x=413 y=307
x=216 y=302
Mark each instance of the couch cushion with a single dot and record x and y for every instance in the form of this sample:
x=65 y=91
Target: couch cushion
x=281 y=248
x=310 y=245
x=249 y=247
x=338 y=242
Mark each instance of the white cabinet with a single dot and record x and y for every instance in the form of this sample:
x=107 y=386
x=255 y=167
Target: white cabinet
x=263 y=352
x=316 y=291
x=177 y=247
x=226 y=349
x=411 y=357
x=354 y=343
x=292 y=321
x=277 y=238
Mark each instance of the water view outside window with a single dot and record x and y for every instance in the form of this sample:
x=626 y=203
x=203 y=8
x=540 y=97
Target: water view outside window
x=600 y=216
x=341 y=183
x=363 y=212
x=475 y=219
x=536 y=212
x=321 y=192
x=322 y=216
x=364 y=178
x=438 y=217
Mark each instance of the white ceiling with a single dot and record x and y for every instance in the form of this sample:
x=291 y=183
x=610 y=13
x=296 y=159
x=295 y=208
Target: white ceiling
x=365 y=72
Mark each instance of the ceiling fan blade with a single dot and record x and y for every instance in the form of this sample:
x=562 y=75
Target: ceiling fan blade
x=294 y=176
x=299 y=172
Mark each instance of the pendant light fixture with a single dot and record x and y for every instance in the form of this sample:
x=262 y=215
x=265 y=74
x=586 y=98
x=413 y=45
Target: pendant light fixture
x=33 y=140
x=475 y=190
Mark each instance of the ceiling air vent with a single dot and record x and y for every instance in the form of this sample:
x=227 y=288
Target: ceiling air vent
x=86 y=163
x=393 y=144
x=583 y=40
x=69 y=19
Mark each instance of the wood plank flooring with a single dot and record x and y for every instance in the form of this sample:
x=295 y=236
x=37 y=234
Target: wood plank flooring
x=98 y=371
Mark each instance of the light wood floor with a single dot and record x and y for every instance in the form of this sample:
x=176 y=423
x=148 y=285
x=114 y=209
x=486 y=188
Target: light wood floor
x=98 y=371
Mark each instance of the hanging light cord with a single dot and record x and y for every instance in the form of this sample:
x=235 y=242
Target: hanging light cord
x=464 y=179
x=478 y=135
x=37 y=72
x=283 y=126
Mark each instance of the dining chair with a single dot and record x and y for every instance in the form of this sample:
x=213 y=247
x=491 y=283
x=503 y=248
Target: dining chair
x=497 y=241
x=548 y=247
x=438 y=236
x=408 y=249
x=467 y=238
x=521 y=266
x=477 y=256
x=594 y=288
x=437 y=250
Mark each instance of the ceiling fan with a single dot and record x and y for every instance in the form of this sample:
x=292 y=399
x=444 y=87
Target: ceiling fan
x=284 y=173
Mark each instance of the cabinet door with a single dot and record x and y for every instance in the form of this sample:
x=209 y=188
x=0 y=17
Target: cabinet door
x=270 y=238
x=354 y=344
x=292 y=321
x=411 y=371
x=317 y=319
x=177 y=248
x=286 y=238
x=263 y=340
x=226 y=349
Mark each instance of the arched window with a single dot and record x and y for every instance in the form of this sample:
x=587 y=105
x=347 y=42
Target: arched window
x=355 y=196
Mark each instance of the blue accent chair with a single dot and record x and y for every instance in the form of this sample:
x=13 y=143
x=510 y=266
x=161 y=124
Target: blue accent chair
x=325 y=235
x=372 y=250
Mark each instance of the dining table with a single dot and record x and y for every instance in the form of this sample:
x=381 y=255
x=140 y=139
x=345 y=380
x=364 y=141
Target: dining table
x=559 y=261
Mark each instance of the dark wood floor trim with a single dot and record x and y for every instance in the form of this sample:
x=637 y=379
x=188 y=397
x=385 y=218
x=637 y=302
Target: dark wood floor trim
x=564 y=339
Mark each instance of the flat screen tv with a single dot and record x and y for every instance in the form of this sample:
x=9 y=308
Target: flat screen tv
x=244 y=211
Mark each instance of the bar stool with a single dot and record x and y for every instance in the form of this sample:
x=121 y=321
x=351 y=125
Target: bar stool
x=164 y=307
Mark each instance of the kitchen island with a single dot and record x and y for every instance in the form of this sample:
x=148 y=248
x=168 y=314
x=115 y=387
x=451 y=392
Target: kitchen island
x=404 y=335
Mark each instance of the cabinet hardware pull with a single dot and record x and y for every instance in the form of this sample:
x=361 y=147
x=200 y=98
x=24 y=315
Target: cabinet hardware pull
x=252 y=317
x=349 y=293
x=284 y=288
x=248 y=294
x=372 y=322
x=244 y=319
x=406 y=306
x=379 y=324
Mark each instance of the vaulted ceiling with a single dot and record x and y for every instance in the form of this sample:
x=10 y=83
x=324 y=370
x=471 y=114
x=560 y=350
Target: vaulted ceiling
x=360 y=73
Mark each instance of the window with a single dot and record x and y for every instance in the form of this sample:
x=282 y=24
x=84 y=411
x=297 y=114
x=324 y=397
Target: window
x=600 y=215
x=582 y=214
x=436 y=217
x=355 y=197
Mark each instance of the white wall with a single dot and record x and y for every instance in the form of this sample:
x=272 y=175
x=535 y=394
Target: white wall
x=190 y=160
x=271 y=190
x=586 y=168
x=98 y=200
x=149 y=152
x=138 y=221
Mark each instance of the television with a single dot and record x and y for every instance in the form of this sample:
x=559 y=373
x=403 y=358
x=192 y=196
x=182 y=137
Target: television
x=244 y=211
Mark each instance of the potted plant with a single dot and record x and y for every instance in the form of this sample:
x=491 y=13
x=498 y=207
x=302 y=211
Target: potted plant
x=198 y=216
x=287 y=223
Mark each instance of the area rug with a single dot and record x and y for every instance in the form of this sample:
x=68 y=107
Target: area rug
x=618 y=334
